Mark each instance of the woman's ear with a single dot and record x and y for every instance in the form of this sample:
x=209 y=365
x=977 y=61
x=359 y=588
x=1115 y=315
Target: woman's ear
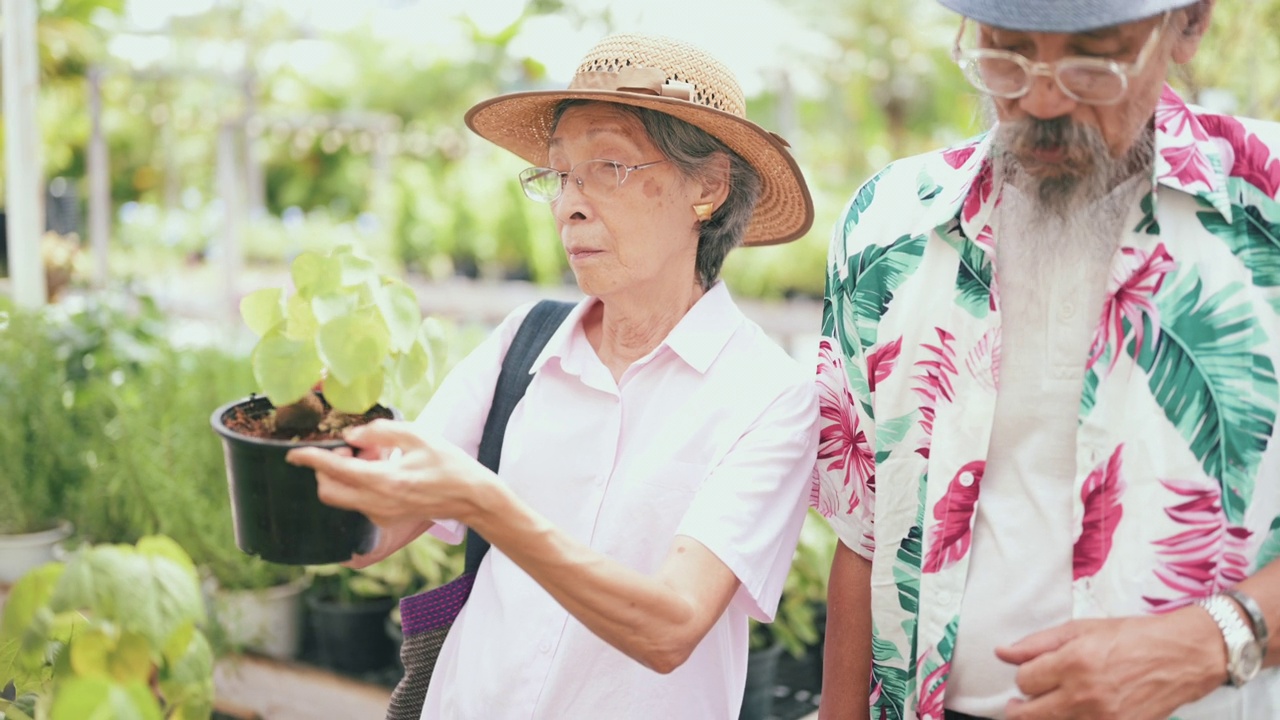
x=1193 y=25
x=715 y=181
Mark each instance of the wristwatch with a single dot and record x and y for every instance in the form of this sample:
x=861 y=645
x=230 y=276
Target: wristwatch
x=1256 y=618
x=1244 y=652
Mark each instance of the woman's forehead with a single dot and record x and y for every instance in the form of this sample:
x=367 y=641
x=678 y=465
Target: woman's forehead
x=597 y=122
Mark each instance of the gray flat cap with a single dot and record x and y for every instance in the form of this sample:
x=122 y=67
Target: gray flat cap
x=1064 y=16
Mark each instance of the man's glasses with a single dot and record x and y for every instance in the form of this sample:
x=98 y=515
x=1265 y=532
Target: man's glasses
x=1094 y=81
x=593 y=177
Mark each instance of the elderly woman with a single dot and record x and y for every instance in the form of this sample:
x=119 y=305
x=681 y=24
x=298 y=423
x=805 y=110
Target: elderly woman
x=655 y=475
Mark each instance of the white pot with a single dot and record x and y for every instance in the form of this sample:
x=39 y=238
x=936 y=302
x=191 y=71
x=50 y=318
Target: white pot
x=267 y=621
x=20 y=554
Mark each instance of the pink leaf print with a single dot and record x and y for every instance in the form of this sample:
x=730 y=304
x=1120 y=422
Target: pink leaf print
x=1173 y=116
x=950 y=536
x=978 y=193
x=957 y=157
x=820 y=498
x=1102 y=513
x=881 y=361
x=1207 y=556
x=1188 y=165
x=983 y=361
x=842 y=443
x=1248 y=156
x=933 y=383
x=932 y=691
x=1135 y=282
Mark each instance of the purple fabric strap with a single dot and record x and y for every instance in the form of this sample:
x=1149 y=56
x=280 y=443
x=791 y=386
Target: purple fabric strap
x=436 y=608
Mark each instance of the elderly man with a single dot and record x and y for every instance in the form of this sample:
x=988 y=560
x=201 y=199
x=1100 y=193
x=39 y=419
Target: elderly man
x=1049 y=390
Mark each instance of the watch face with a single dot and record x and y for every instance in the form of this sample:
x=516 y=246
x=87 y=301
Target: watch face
x=1250 y=662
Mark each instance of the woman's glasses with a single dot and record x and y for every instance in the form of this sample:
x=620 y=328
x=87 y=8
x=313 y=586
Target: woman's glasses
x=593 y=177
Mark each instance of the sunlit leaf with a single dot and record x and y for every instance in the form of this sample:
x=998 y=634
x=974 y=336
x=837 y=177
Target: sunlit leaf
x=285 y=369
x=315 y=274
x=400 y=311
x=357 y=397
x=131 y=659
x=300 y=319
x=327 y=307
x=354 y=345
x=90 y=653
x=261 y=310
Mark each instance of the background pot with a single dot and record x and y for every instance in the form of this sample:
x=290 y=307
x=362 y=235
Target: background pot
x=351 y=637
x=19 y=554
x=267 y=621
x=762 y=674
x=274 y=507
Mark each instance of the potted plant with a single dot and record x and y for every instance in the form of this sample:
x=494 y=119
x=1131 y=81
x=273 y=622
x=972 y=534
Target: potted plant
x=115 y=632
x=346 y=338
x=35 y=481
x=348 y=610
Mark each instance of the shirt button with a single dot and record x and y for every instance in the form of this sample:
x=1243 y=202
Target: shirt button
x=945 y=598
x=544 y=647
x=1067 y=311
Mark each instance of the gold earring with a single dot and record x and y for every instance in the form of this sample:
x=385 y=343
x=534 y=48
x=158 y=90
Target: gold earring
x=703 y=211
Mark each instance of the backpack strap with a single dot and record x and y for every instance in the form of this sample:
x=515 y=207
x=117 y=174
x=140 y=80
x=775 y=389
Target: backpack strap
x=539 y=325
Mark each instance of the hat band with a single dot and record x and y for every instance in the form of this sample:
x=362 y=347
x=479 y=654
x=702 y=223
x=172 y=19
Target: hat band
x=633 y=79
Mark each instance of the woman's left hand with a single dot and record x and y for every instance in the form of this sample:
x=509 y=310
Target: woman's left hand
x=428 y=478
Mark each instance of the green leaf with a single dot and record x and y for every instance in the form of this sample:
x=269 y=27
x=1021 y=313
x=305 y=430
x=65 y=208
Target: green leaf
x=90 y=653
x=300 y=320
x=356 y=398
x=32 y=592
x=1253 y=238
x=261 y=310
x=166 y=547
x=357 y=270
x=99 y=699
x=874 y=275
x=400 y=313
x=411 y=367
x=1219 y=393
x=328 y=307
x=1270 y=549
x=894 y=682
x=131 y=659
x=436 y=340
x=891 y=432
x=187 y=683
x=149 y=594
x=353 y=346
x=974 y=278
x=861 y=201
x=285 y=369
x=315 y=274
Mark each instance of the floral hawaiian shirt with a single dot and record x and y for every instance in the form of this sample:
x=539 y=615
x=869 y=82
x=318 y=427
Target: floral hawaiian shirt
x=1177 y=492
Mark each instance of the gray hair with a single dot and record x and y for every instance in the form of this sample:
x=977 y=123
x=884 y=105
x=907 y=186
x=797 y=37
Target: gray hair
x=692 y=151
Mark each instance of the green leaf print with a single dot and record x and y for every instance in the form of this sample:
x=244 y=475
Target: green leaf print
x=974 y=279
x=1213 y=387
x=906 y=570
x=1254 y=238
x=1089 y=395
x=874 y=275
x=861 y=202
x=893 y=681
x=1270 y=549
x=889 y=434
x=1148 y=224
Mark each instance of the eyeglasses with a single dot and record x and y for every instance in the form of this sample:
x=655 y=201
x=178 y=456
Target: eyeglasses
x=594 y=177
x=1094 y=81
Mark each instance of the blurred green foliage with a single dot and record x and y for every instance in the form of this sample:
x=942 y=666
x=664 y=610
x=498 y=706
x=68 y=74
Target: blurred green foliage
x=374 y=140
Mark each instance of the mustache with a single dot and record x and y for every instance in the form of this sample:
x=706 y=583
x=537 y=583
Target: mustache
x=1082 y=145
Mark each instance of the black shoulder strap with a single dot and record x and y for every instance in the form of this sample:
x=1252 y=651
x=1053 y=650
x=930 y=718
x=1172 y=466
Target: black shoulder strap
x=538 y=327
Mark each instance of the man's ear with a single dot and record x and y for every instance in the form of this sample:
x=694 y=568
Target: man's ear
x=1191 y=24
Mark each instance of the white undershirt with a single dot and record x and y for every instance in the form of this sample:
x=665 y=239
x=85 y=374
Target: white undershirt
x=1020 y=573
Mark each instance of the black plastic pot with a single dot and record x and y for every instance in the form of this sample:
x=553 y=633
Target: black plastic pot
x=352 y=638
x=762 y=675
x=274 y=506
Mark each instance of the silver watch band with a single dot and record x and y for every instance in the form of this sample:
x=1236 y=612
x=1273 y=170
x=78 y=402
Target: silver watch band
x=1256 y=618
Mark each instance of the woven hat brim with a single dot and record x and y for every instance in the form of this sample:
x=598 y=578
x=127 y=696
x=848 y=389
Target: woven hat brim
x=1056 y=16
x=521 y=122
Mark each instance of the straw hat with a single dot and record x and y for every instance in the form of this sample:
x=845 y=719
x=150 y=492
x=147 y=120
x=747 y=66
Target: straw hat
x=677 y=79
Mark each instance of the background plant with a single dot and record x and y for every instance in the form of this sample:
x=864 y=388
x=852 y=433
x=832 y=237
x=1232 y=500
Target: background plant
x=113 y=632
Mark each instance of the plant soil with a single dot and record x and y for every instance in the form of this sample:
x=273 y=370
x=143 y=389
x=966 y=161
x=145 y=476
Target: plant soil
x=259 y=424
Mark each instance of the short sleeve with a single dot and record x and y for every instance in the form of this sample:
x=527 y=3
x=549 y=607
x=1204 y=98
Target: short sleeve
x=458 y=409
x=750 y=508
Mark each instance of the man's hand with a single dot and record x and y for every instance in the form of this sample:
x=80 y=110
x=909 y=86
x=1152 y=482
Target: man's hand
x=1139 y=668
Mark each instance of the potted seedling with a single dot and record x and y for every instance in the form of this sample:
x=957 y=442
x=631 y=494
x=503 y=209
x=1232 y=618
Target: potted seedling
x=342 y=349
